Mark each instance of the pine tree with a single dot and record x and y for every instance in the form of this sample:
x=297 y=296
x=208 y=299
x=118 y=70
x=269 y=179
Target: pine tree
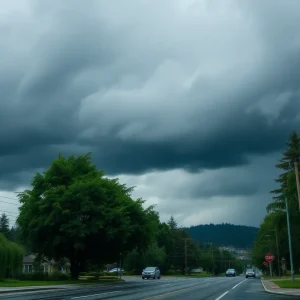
x=4 y=225
x=286 y=164
x=172 y=223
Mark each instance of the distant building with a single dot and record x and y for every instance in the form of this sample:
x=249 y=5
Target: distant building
x=47 y=266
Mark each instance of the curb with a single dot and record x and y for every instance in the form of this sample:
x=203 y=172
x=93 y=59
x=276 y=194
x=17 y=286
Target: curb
x=276 y=293
x=9 y=291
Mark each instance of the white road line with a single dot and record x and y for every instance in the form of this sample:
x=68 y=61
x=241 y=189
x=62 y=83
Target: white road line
x=222 y=295
x=166 y=284
x=239 y=284
x=79 y=297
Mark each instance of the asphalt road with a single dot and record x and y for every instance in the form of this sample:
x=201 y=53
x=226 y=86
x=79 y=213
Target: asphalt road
x=166 y=288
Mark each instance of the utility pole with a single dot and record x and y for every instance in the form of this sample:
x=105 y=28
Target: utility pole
x=120 y=265
x=277 y=248
x=297 y=181
x=185 y=255
x=290 y=239
x=213 y=263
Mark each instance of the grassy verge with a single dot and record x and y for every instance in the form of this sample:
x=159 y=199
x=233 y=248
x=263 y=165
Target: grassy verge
x=287 y=284
x=281 y=277
x=21 y=283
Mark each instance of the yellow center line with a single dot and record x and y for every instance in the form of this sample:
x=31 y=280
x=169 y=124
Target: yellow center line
x=173 y=292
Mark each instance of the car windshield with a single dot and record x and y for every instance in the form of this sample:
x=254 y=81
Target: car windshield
x=230 y=270
x=249 y=270
x=149 y=269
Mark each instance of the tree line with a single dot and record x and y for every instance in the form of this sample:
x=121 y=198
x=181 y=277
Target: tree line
x=237 y=236
x=73 y=211
x=272 y=234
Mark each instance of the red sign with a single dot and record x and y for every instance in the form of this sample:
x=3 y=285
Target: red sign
x=269 y=257
x=265 y=263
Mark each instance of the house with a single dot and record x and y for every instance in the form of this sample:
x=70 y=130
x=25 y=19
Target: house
x=47 y=266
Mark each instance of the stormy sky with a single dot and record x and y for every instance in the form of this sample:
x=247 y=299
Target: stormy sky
x=190 y=101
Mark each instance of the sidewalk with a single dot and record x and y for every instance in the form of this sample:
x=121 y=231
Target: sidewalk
x=4 y=290
x=271 y=287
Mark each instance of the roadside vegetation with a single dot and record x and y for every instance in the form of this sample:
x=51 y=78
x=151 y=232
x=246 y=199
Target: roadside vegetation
x=272 y=235
x=287 y=284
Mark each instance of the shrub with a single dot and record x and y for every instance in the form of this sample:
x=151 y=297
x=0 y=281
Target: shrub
x=96 y=275
x=58 y=276
x=41 y=276
x=33 y=276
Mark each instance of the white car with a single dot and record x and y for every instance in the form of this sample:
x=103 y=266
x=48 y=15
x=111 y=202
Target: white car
x=116 y=270
x=151 y=272
x=250 y=273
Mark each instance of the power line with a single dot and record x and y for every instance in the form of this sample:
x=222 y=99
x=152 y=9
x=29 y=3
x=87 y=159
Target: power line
x=8 y=202
x=9 y=198
x=9 y=212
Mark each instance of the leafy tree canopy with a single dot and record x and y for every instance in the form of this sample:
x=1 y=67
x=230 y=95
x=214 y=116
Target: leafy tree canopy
x=72 y=211
x=11 y=256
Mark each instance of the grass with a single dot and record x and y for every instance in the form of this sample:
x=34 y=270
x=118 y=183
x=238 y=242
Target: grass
x=22 y=283
x=281 y=277
x=288 y=284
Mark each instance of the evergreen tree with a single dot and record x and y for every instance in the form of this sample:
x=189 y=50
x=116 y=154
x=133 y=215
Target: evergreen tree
x=4 y=225
x=286 y=164
x=172 y=223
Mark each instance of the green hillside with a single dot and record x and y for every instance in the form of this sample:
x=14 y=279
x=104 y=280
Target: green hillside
x=237 y=236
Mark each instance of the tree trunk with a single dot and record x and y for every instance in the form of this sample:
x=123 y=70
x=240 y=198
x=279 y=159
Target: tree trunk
x=74 y=269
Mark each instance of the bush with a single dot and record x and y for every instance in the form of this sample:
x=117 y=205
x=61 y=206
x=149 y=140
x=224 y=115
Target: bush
x=33 y=276
x=58 y=276
x=82 y=273
x=96 y=275
x=41 y=276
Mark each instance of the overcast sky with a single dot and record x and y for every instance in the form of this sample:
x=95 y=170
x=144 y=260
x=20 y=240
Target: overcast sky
x=190 y=101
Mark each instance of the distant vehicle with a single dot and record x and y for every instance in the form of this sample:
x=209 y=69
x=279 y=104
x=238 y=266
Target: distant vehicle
x=151 y=272
x=250 y=273
x=231 y=273
x=116 y=270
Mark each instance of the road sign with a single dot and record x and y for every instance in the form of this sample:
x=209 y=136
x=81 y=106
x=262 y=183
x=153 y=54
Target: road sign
x=269 y=257
x=265 y=263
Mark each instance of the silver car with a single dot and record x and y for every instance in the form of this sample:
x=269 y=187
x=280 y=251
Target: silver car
x=231 y=273
x=151 y=272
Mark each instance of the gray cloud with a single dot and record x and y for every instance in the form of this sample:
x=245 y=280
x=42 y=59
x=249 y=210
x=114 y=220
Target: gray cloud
x=149 y=87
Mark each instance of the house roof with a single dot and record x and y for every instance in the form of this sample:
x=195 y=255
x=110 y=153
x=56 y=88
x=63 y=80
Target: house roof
x=27 y=259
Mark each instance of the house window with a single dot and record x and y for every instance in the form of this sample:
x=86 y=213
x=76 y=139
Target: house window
x=27 y=268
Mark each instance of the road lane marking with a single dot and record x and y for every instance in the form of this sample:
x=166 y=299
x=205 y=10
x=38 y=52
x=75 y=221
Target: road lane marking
x=222 y=295
x=239 y=284
x=79 y=297
x=166 y=284
x=172 y=292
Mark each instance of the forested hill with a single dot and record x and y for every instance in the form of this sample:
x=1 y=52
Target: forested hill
x=224 y=235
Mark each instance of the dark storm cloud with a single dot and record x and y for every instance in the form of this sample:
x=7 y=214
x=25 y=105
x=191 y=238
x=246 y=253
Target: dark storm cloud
x=143 y=91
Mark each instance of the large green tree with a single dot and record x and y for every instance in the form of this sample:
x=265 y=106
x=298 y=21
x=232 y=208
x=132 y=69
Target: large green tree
x=72 y=211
